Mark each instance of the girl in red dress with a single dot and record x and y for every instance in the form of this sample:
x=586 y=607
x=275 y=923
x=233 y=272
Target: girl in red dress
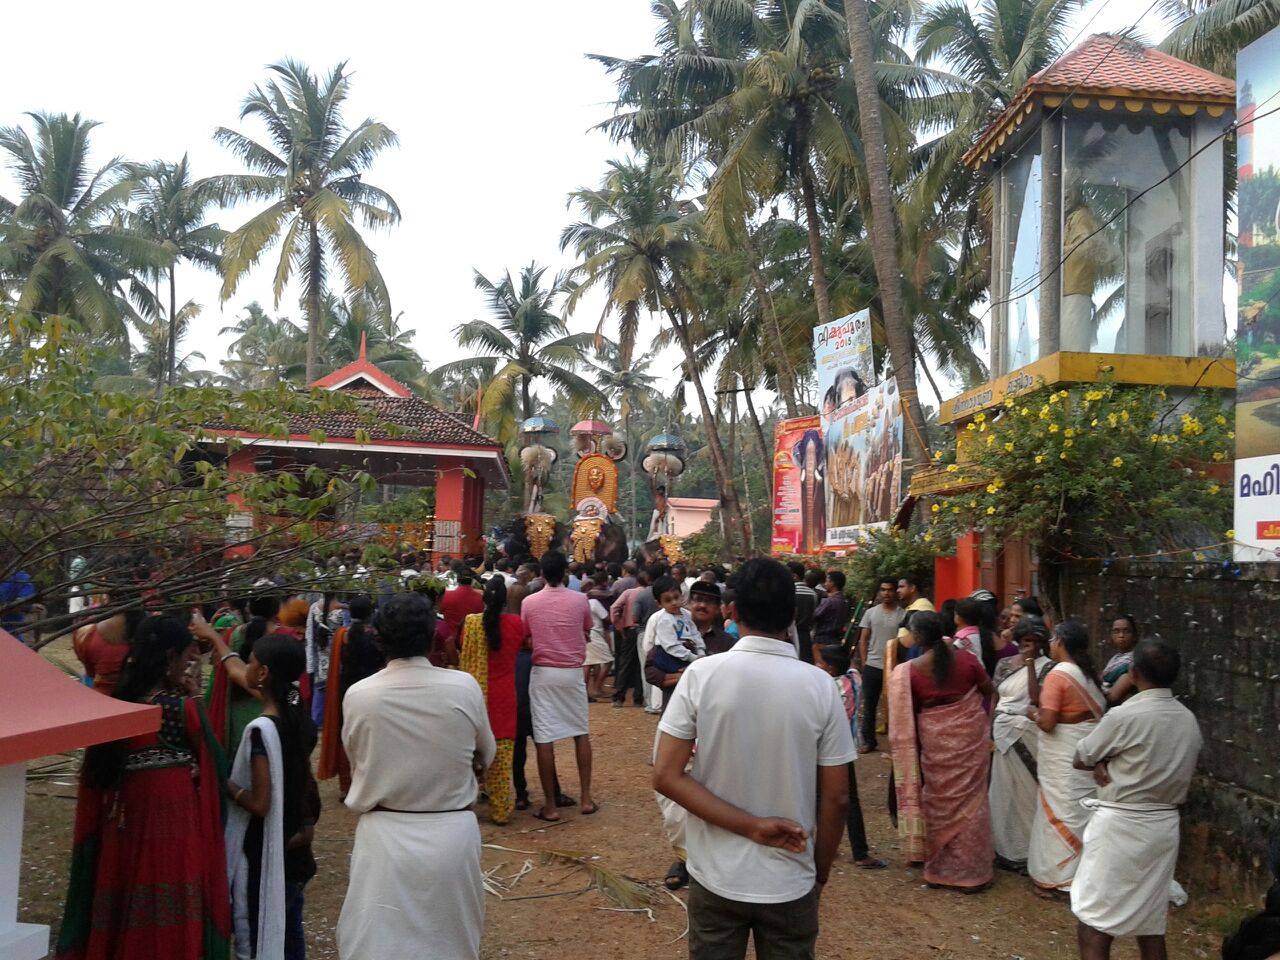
x=148 y=871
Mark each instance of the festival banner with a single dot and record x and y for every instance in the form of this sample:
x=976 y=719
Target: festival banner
x=1257 y=486
x=863 y=475
x=799 y=502
x=844 y=361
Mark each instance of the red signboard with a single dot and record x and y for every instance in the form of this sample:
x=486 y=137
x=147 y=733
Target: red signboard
x=799 y=500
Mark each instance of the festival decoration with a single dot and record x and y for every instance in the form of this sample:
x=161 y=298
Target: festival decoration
x=540 y=528
x=537 y=458
x=587 y=435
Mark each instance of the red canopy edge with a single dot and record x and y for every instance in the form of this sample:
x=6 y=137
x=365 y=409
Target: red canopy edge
x=43 y=711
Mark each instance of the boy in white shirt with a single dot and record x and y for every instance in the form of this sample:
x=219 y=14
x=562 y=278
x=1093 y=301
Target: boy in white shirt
x=677 y=640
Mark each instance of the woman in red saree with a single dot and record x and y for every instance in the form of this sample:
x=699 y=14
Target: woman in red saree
x=148 y=871
x=941 y=739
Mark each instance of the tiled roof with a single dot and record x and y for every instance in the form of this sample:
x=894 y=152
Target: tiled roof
x=1105 y=62
x=419 y=421
x=1105 y=71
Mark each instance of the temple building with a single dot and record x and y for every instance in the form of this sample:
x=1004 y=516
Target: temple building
x=409 y=443
x=1108 y=238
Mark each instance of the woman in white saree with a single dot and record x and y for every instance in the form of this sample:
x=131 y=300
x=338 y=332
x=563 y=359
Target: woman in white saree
x=1013 y=791
x=1066 y=707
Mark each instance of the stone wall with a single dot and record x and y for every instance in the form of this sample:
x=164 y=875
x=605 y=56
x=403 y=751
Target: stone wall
x=1227 y=628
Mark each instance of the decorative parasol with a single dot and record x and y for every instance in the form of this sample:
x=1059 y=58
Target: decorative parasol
x=665 y=443
x=591 y=428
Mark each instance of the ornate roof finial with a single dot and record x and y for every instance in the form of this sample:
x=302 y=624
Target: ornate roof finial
x=363 y=344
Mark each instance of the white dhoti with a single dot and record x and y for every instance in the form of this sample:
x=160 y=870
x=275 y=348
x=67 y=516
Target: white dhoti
x=598 y=652
x=557 y=703
x=644 y=643
x=1057 y=831
x=1125 y=877
x=1013 y=791
x=416 y=888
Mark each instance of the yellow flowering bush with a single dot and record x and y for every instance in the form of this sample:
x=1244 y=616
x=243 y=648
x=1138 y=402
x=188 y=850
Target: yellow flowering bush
x=1096 y=470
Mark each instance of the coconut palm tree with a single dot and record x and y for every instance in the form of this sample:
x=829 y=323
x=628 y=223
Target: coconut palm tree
x=884 y=232
x=170 y=211
x=1211 y=32
x=312 y=176
x=640 y=243
x=63 y=252
x=357 y=321
x=266 y=351
x=526 y=341
x=150 y=365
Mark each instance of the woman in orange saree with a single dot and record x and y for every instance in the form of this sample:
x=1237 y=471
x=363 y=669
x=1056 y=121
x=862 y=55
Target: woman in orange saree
x=941 y=740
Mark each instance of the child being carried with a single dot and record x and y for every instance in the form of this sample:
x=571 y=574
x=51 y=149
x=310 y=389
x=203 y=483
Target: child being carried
x=677 y=641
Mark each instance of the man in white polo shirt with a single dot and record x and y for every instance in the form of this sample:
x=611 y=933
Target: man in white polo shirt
x=768 y=790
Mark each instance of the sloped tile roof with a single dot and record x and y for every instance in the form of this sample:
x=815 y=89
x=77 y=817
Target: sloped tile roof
x=1107 y=62
x=419 y=421
x=1107 y=69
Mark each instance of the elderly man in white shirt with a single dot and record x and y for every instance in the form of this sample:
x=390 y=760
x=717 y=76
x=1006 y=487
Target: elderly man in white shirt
x=768 y=790
x=416 y=735
x=1143 y=756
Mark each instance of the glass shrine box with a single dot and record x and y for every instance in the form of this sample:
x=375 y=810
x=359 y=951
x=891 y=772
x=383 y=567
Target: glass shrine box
x=1109 y=217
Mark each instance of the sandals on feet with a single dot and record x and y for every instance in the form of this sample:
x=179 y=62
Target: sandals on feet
x=677 y=877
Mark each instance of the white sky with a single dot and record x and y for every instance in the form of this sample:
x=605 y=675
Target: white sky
x=492 y=108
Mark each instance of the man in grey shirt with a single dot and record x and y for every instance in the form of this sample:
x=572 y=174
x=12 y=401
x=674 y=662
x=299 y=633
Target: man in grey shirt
x=879 y=625
x=1143 y=756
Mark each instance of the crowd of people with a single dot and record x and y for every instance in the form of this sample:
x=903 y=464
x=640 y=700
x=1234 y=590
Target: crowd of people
x=1010 y=750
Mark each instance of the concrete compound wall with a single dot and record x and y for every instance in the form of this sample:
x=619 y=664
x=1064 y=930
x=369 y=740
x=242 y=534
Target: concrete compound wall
x=1227 y=628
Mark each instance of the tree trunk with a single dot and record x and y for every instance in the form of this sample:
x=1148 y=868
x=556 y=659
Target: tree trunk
x=171 y=354
x=884 y=235
x=786 y=372
x=631 y=464
x=724 y=474
x=526 y=400
x=314 y=253
x=766 y=452
x=821 y=296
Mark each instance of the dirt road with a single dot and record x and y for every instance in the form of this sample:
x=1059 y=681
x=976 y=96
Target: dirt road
x=552 y=913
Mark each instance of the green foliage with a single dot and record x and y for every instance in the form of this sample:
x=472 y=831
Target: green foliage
x=412 y=506
x=126 y=480
x=886 y=553
x=706 y=546
x=1094 y=471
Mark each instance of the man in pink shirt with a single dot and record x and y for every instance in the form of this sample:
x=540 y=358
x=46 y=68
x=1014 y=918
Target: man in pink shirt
x=559 y=621
x=627 y=668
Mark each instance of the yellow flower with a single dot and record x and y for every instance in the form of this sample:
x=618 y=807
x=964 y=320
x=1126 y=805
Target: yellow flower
x=1231 y=534
x=1039 y=458
x=1214 y=488
x=1094 y=422
x=1231 y=434
x=1220 y=420
x=992 y=488
x=1124 y=415
x=1053 y=398
x=982 y=428
x=1024 y=411
x=1062 y=456
x=1068 y=432
x=938 y=455
x=1112 y=419
x=971 y=426
x=991 y=438
x=1044 y=413
x=955 y=509
x=980 y=417
x=936 y=508
x=928 y=537
x=990 y=511
x=1155 y=438
x=1053 y=428
x=1219 y=456
x=1118 y=462
x=1094 y=395
x=1068 y=443
x=1008 y=447
x=952 y=468
x=972 y=504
